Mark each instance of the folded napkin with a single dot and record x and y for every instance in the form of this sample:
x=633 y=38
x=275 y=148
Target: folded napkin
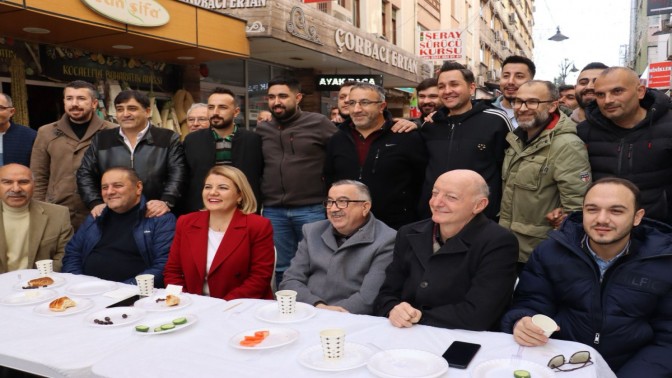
x=122 y=293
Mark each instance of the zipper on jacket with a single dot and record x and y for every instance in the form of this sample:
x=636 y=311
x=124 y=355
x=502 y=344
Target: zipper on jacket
x=450 y=141
x=291 y=142
x=361 y=168
x=375 y=161
x=596 y=340
x=620 y=156
x=630 y=157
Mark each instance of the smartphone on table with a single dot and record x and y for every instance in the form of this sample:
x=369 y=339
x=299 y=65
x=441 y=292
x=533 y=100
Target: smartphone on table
x=459 y=354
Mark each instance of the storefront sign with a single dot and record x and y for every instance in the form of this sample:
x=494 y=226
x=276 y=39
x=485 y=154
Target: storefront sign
x=373 y=50
x=659 y=75
x=147 y=13
x=441 y=45
x=226 y=4
x=654 y=7
x=333 y=82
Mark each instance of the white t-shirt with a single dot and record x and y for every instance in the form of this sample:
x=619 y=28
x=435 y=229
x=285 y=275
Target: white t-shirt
x=214 y=240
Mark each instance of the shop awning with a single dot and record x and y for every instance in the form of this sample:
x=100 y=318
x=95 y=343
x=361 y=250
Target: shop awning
x=193 y=35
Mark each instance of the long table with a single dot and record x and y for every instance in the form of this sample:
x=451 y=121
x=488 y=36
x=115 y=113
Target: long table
x=68 y=347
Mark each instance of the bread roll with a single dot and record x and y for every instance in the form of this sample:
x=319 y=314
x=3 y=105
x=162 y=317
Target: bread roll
x=172 y=300
x=60 y=304
x=39 y=282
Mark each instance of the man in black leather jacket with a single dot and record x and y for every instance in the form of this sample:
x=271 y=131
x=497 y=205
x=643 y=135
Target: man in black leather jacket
x=154 y=153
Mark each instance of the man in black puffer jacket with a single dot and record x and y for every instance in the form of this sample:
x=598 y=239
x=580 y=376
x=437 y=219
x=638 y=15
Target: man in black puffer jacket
x=604 y=278
x=628 y=134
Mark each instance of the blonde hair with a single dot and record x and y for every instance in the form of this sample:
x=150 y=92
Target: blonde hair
x=248 y=203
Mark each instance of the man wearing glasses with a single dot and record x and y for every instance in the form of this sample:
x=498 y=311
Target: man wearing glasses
x=390 y=164
x=16 y=141
x=340 y=263
x=604 y=278
x=294 y=148
x=197 y=117
x=221 y=142
x=545 y=168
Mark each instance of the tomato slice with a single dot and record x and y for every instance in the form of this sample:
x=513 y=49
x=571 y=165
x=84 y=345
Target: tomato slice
x=262 y=334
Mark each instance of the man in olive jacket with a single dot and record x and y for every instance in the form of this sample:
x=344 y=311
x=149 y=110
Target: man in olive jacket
x=545 y=168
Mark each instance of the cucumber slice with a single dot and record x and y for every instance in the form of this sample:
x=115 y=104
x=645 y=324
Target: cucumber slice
x=142 y=328
x=180 y=321
x=167 y=326
x=521 y=374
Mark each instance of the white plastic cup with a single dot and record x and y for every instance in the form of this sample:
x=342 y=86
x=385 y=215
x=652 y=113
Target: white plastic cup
x=544 y=322
x=286 y=301
x=45 y=267
x=333 y=343
x=145 y=284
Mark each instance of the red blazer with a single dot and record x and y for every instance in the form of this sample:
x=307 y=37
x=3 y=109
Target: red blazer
x=243 y=264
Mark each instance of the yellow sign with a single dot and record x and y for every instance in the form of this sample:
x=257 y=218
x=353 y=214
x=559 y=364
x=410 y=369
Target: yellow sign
x=147 y=13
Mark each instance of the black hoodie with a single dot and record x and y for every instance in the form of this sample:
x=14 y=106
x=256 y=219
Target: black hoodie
x=642 y=154
x=473 y=140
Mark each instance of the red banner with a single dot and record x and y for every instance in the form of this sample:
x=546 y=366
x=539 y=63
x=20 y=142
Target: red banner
x=659 y=75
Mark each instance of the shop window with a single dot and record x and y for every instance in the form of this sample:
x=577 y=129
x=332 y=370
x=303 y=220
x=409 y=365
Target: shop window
x=356 y=13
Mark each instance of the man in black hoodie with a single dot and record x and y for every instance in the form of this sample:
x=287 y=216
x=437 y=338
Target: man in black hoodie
x=628 y=134
x=464 y=135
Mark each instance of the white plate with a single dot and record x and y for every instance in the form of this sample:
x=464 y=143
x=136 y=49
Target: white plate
x=407 y=363
x=277 y=337
x=58 y=281
x=115 y=314
x=95 y=287
x=270 y=313
x=83 y=304
x=504 y=367
x=28 y=297
x=191 y=319
x=150 y=303
x=356 y=355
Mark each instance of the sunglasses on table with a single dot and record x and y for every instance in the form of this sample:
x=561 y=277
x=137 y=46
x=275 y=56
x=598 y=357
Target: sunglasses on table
x=579 y=358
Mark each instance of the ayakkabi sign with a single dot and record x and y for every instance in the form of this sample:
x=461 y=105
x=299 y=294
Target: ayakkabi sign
x=147 y=13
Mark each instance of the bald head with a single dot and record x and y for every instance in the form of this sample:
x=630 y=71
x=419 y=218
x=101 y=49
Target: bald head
x=457 y=197
x=16 y=185
x=618 y=92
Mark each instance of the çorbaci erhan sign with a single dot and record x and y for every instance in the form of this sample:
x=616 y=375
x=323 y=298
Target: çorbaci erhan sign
x=352 y=42
x=226 y=4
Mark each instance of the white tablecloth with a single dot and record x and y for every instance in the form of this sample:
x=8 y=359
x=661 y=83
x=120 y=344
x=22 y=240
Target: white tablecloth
x=66 y=346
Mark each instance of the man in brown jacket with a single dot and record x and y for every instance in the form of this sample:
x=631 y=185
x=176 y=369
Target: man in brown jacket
x=60 y=146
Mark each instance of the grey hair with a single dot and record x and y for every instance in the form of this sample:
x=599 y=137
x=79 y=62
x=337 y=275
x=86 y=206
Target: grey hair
x=362 y=189
x=9 y=100
x=196 y=105
x=370 y=87
x=483 y=189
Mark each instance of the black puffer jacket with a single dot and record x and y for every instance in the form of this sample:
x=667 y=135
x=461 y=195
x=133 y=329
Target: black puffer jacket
x=158 y=159
x=642 y=154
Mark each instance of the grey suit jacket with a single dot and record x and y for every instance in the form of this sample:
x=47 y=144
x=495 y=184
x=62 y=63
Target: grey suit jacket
x=348 y=276
x=50 y=231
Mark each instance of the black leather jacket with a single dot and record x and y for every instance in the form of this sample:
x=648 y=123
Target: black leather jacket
x=158 y=159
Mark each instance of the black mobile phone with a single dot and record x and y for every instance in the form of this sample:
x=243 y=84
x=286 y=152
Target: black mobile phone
x=128 y=302
x=459 y=354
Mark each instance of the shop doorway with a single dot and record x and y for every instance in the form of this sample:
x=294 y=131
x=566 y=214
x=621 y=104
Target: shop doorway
x=45 y=103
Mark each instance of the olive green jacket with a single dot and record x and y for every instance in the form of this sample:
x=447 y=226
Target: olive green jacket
x=551 y=172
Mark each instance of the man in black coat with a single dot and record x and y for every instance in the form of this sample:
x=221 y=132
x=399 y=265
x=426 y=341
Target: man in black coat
x=390 y=164
x=223 y=143
x=455 y=270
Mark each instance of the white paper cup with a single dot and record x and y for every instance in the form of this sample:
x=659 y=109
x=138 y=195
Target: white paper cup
x=145 y=284
x=545 y=323
x=45 y=267
x=333 y=343
x=286 y=301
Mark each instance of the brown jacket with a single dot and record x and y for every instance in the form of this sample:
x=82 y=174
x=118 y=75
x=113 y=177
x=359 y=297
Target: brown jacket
x=57 y=154
x=50 y=231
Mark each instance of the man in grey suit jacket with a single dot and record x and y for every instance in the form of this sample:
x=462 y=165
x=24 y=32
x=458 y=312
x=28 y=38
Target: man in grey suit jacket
x=30 y=230
x=340 y=263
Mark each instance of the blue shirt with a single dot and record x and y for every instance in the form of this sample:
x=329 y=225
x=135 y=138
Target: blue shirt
x=601 y=263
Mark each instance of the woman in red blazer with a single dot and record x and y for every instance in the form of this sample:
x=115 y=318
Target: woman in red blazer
x=226 y=251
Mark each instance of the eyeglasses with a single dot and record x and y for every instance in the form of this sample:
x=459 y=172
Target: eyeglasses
x=361 y=103
x=5 y=107
x=582 y=357
x=340 y=203
x=199 y=120
x=531 y=104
